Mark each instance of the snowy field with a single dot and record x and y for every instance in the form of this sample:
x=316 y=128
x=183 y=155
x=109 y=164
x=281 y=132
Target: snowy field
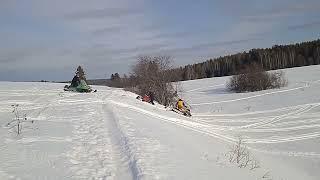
x=111 y=135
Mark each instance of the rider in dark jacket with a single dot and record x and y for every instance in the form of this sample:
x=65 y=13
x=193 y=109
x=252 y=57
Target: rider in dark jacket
x=75 y=81
x=151 y=95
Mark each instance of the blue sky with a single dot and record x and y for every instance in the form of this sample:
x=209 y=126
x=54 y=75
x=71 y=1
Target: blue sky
x=44 y=39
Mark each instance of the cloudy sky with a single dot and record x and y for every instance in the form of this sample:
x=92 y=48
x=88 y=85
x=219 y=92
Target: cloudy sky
x=47 y=39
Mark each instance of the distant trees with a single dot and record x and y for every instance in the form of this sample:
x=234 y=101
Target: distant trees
x=277 y=57
x=116 y=80
x=115 y=76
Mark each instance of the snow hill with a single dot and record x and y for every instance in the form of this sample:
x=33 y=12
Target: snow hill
x=111 y=135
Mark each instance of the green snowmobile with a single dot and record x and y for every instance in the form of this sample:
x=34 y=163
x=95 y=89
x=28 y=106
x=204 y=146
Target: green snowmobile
x=81 y=86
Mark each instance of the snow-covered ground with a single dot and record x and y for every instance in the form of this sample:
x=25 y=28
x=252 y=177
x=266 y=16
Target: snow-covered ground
x=111 y=135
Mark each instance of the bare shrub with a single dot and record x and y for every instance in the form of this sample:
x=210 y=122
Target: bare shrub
x=151 y=74
x=267 y=176
x=240 y=155
x=254 y=78
x=278 y=79
x=18 y=120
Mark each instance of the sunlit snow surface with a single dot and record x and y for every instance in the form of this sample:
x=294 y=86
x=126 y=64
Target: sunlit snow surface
x=111 y=135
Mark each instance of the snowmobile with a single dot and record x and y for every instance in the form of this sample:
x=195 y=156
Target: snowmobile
x=182 y=108
x=82 y=87
x=185 y=111
x=145 y=98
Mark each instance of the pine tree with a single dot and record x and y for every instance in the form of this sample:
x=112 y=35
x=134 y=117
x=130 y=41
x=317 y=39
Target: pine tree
x=80 y=72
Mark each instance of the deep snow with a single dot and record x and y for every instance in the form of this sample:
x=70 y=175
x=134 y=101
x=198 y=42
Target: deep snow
x=111 y=135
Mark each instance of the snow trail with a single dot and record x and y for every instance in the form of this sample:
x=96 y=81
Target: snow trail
x=96 y=147
x=250 y=97
x=124 y=149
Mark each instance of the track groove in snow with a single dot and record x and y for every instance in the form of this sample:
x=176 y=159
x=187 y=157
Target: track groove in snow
x=122 y=141
x=216 y=131
x=250 y=97
x=95 y=152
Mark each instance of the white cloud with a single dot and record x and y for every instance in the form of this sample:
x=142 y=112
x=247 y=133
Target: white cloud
x=107 y=35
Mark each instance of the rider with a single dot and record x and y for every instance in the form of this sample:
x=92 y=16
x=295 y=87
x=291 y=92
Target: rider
x=181 y=106
x=151 y=95
x=146 y=98
x=75 y=81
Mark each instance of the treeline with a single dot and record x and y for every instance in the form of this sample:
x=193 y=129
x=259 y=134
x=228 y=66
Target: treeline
x=277 y=57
